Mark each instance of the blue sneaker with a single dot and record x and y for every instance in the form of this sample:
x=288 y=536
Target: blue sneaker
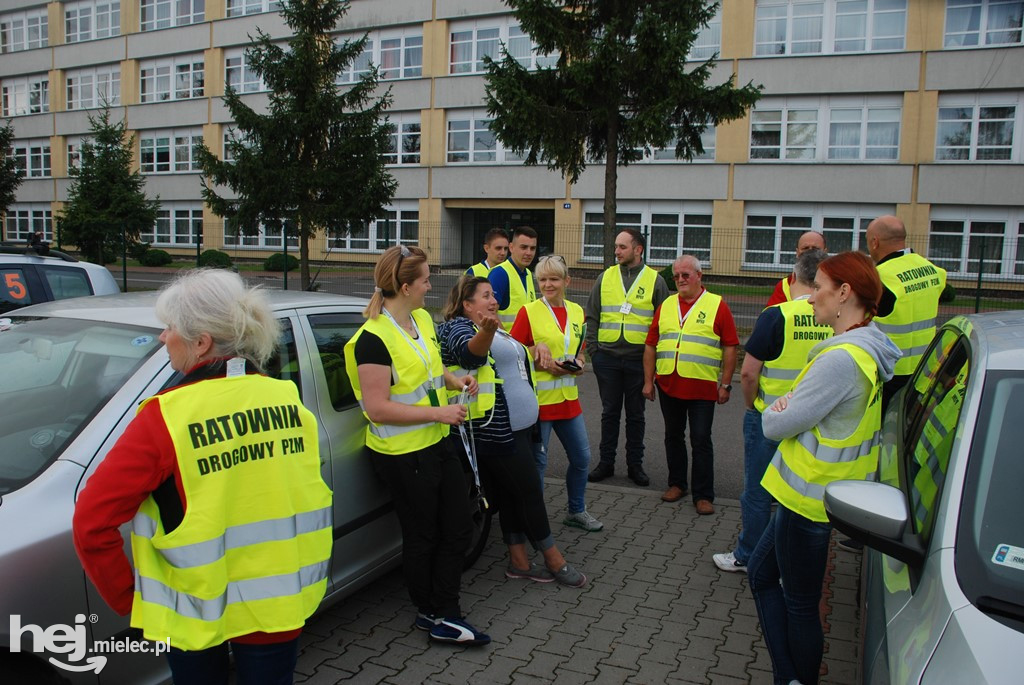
x=425 y=621
x=457 y=631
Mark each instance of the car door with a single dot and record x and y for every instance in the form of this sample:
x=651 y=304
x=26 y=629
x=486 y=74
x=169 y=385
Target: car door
x=905 y=608
x=19 y=287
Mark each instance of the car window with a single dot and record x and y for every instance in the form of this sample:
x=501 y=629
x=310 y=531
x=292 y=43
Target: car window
x=331 y=332
x=284 y=365
x=66 y=282
x=14 y=292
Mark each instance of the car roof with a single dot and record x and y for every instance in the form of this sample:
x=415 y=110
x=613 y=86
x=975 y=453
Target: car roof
x=138 y=308
x=1003 y=335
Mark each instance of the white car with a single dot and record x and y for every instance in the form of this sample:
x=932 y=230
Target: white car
x=32 y=275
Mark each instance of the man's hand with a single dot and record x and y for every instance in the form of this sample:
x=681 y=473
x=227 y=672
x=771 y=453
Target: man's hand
x=648 y=391
x=723 y=394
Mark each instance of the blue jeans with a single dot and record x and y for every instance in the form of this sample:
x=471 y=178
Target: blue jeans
x=269 y=664
x=755 y=502
x=793 y=550
x=572 y=433
x=620 y=382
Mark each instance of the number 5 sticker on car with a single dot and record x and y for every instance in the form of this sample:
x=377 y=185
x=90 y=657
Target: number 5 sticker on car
x=15 y=283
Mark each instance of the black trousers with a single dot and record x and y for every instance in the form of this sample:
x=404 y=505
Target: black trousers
x=699 y=414
x=432 y=502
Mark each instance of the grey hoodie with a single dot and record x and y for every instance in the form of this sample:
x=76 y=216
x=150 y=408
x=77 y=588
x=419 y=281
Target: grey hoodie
x=833 y=395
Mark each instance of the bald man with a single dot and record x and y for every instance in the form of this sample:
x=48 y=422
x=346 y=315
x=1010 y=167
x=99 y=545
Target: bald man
x=811 y=240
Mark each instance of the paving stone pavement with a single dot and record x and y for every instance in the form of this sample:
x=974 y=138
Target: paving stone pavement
x=655 y=610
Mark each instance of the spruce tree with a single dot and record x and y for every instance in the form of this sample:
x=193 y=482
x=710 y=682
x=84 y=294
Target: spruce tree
x=10 y=175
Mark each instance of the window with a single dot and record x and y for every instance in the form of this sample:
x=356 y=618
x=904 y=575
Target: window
x=23 y=220
x=396 y=54
x=91 y=19
x=238 y=8
x=163 y=14
x=358 y=67
x=805 y=27
x=177 y=223
x=979 y=128
x=32 y=157
x=65 y=282
x=470 y=139
x=404 y=143
x=331 y=332
x=267 y=236
x=672 y=229
x=966 y=240
x=14 y=290
x=230 y=136
x=471 y=42
x=179 y=78
x=709 y=39
x=857 y=129
x=24 y=30
x=970 y=23
x=399 y=225
x=239 y=75
x=94 y=87
x=668 y=153
x=284 y=363
x=25 y=95
x=772 y=229
x=156 y=147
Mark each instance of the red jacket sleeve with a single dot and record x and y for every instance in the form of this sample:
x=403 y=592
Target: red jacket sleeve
x=725 y=326
x=778 y=295
x=136 y=465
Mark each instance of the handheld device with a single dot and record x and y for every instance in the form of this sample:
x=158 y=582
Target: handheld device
x=569 y=365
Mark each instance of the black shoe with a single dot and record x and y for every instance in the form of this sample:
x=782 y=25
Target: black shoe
x=601 y=471
x=850 y=545
x=637 y=475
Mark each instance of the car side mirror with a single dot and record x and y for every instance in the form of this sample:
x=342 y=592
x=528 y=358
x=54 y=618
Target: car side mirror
x=876 y=514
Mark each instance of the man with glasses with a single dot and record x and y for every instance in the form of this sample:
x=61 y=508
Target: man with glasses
x=511 y=280
x=619 y=313
x=692 y=339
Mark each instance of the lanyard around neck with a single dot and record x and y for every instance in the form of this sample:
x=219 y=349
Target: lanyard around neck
x=684 y=317
x=418 y=344
x=568 y=329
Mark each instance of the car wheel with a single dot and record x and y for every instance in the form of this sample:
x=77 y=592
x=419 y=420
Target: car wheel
x=481 y=512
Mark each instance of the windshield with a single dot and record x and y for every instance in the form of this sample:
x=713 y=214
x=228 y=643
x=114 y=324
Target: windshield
x=56 y=374
x=990 y=539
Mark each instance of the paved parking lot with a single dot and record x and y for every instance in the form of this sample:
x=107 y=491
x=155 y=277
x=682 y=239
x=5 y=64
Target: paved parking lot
x=655 y=610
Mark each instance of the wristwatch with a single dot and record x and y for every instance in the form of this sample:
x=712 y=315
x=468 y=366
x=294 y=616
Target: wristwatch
x=728 y=388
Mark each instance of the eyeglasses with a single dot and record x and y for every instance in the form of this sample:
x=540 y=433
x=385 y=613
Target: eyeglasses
x=556 y=257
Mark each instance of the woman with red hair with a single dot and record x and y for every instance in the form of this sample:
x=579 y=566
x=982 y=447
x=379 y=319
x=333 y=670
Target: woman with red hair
x=828 y=425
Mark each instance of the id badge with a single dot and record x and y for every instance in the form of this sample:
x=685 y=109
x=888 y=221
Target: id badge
x=626 y=308
x=432 y=394
x=522 y=368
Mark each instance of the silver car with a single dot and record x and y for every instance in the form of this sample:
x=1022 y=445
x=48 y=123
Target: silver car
x=942 y=587
x=71 y=376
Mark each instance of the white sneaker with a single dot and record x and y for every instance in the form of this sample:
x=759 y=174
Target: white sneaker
x=583 y=520
x=727 y=562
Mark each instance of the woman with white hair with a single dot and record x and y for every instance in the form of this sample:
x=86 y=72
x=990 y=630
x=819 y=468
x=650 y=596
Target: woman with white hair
x=227 y=547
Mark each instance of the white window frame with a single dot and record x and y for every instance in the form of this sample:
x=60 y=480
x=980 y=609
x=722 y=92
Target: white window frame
x=236 y=67
x=380 y=234
x=976 y=126
x=164 y=14
x=672 y=228
x=23 y=219
x=267 y=238
x=709 y=39
x=174 y=78
x=73 y=145
x=478 y=144
x=385 y=46
x=406 y=139
x=839 y=24
x=91 y=20
x=959 y=252
x=169 y=151
x=24 y=30
x=32 y=157
x=93 y=87
x=178 y=224
x=842 y=225
x=25 y=95
x=667 y=154
x=240 y=8
x=806 y=127
x=486 y=37
x=957 y=36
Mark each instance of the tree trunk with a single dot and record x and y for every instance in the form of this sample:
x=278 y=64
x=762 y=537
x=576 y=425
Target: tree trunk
x=611 y=184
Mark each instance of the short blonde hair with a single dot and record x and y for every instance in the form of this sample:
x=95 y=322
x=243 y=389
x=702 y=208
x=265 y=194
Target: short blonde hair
x=552 y=265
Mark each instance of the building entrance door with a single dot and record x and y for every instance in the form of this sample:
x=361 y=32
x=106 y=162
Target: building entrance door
x=476 y=223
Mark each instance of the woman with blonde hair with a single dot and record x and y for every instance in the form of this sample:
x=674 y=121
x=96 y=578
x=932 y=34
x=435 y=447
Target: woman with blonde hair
x=394 y=364
x=552 y=327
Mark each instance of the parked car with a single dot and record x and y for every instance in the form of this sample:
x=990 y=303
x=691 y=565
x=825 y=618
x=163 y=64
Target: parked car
x=29 y=275
x=73 y=374
x=942 y=587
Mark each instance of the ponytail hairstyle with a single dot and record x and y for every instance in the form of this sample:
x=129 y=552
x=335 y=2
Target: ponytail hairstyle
x=398 y=266
x=858 y=271
x=465 y=289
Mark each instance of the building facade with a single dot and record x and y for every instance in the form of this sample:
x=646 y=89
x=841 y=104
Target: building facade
x=910 y=107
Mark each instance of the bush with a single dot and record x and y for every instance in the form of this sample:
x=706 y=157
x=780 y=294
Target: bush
x=155 y=258
x=215 y=259
x=137 y=250
x=276 y=262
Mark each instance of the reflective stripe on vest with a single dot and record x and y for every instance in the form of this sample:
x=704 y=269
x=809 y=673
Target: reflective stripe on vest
x=917 y=285
x=632 y=327
x=552 y=389
x=695 y=351
x=518 y=296
x=804 y=464
x=229 y=569
x=410 y=384
x=800 y=334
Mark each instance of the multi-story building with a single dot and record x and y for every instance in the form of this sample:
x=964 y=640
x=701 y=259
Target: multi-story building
x=911 y=107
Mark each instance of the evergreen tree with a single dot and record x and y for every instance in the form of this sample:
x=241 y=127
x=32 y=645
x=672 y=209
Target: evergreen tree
x=621 y=86
x=107 y=202
x=314 y=161
x=10 y=175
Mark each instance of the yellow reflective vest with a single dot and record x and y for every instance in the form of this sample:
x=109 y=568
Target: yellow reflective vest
x=917 y=285
x=696 y=350
x=411 y=384
x=804 y=464
x=485 y=396
x=480 y=269
x=633 y=327
x=786 y=289
x=552 y=389
x=518 y=296
x=252 y=551
x=801 y=333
